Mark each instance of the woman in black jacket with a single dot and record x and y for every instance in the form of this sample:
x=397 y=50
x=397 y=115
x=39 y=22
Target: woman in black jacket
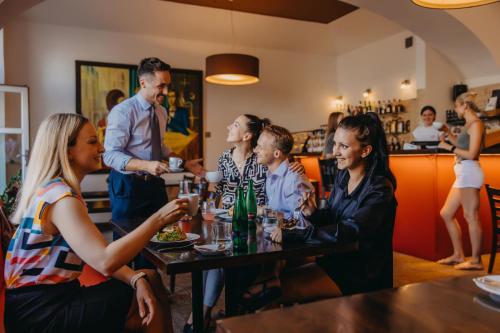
x=361 y=208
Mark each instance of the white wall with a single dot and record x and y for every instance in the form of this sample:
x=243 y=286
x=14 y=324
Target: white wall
x=380 y=66
x=441 y=75
x=295 y=89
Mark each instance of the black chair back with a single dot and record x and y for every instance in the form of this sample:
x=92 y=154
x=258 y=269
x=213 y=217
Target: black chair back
x=494 y=199
x=328 y=170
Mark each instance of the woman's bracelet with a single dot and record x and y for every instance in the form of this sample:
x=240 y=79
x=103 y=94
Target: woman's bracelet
x=135 y=278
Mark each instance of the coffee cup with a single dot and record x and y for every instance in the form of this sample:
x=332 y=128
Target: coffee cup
x=174 y=162
x=194 y=202
x=213 y=176
x=437 y=125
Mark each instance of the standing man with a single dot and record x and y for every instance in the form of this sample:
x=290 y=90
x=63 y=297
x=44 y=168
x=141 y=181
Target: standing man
x=134 y=146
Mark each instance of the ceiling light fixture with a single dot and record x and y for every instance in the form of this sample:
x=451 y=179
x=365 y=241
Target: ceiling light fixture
x=232 y=69
x=451 y=4
x=367 y=93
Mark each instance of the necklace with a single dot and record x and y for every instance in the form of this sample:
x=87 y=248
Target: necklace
x=241 y=164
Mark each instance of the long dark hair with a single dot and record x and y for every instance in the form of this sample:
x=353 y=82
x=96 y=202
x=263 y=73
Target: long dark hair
x=370 y=132
x=255 y=125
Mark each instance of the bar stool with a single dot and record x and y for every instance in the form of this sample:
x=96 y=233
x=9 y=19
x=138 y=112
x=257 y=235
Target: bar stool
x=494 y=199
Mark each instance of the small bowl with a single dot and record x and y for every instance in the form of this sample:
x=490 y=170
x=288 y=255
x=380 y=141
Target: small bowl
x=213 y=176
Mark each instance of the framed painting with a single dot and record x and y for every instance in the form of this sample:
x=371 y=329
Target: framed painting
x=101 y=86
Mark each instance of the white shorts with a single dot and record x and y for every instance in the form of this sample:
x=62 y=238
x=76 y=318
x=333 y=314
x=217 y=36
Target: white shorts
x=468 y=174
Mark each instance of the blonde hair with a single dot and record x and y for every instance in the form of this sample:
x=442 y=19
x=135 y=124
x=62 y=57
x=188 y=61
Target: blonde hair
x=469 y=99
x=49 y=157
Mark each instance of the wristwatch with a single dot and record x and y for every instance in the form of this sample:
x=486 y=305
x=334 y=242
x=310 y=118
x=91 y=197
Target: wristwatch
x=453 y=148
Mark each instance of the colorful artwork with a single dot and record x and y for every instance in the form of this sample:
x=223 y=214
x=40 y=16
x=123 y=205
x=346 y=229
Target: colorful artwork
x=100 y=86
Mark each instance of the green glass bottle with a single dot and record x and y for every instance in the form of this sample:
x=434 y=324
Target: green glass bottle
x=251 y=205
x=240 y=224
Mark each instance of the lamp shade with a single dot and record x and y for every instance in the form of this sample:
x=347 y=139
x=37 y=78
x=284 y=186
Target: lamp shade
x=232 y=69
x=451 y=4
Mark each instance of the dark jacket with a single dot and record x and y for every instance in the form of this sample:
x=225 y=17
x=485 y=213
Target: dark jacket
x=367 y=217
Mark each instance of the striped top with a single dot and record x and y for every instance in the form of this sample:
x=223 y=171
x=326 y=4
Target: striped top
x=34 y=257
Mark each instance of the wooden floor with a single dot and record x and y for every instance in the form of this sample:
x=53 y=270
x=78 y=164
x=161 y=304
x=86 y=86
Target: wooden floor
x=407 y=269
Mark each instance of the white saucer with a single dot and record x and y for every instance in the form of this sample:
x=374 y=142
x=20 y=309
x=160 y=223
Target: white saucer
x=176 y=169
x=490 y=284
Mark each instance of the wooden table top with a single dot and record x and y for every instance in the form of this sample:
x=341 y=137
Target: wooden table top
x=449 y=305
x=188 y=260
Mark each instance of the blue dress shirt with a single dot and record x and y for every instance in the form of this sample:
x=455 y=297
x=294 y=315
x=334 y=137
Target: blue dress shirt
x=128 y=133
x=284 y=189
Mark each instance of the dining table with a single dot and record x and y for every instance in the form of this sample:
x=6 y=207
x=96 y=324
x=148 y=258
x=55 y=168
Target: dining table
x=444 y=305
x=187 y=260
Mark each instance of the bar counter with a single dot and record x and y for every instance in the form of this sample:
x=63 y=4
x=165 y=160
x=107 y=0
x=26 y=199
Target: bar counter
x=424 y=179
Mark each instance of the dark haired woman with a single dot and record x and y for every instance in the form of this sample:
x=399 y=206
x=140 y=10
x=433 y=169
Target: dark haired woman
x=429 y=129
x=333 y=122
x=361 y=208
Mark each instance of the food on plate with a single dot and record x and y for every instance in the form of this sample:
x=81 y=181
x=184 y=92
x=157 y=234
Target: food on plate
x=171 y=234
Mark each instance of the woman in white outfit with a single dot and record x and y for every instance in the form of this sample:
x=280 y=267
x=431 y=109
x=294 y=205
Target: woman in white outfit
x=465 y=190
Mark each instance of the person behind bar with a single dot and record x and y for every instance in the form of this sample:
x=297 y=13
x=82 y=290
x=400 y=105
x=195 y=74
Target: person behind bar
x=333 y=122
x=361 y=208
x=465 y=190
x=430 y=129
x=56 y=236
x=135 y=150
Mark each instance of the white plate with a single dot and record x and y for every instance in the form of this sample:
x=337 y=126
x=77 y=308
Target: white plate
x=190 y=238
x=210 y=249
x=489 y=287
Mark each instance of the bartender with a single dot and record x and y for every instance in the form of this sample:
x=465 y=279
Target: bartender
x=430 y=129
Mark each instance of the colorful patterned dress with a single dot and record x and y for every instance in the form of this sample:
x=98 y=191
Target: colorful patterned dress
x=35 y=258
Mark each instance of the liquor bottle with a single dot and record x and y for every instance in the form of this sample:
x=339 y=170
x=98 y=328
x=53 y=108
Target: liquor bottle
x=394 y=124
x=400 y=126
x=401 y=106
x=251 y=204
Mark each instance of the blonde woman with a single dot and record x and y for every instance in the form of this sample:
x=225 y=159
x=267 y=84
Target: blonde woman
x=55 y=237
x=465 y=190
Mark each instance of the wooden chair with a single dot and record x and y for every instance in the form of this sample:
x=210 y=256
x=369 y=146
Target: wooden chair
x=494 y=199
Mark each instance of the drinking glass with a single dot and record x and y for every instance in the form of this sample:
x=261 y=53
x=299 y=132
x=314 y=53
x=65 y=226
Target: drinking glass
x=269 y=220
x=208 y=210
x=221 y=232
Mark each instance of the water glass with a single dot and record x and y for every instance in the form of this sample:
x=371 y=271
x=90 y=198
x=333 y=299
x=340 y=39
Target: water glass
x=269 y=220
x=221 y=232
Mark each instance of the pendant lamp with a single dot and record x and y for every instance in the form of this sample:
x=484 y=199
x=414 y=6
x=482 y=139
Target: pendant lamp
x=451 y=4
x=232 y=69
